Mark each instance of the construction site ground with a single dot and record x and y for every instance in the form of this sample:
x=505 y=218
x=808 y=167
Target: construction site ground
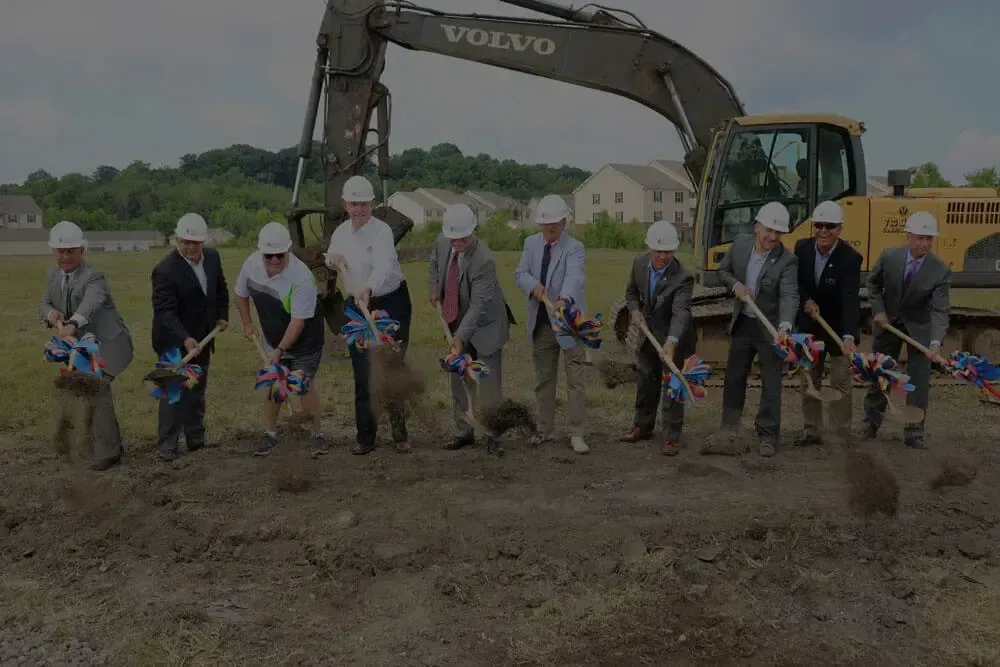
x=543 y=557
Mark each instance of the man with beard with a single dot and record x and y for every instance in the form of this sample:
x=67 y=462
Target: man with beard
x=190 y=298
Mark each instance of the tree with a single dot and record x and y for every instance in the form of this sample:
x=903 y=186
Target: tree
x=928 y=175
x=987 y=177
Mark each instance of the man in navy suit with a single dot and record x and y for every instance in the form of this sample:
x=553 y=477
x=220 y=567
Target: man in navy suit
x=829 y=284
x=551 y=266
x=190 y=297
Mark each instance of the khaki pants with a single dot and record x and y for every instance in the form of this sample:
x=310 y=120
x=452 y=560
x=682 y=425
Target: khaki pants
x=839 y=410
x=545 y=352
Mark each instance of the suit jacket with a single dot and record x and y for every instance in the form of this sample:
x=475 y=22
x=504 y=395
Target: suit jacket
x=565 y=277
x=924 y=308
x=838 y=293
x=90 y=297
x=668 y=309
x=777 y=285
x=180 y=309
x=484 y=318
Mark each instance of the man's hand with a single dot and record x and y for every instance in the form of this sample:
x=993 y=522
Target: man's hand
x=538 y=291
x=66 y=329
x=274 y=356
x=935 y=355
x=783 y=336
x=222 y=324
x=668 y=349
x=849 y=347
x=458 y=346
x=56 y=318
x=637 y=318
x=190 y=344
x=812 y=310
x=881 y=319
x=740 y=291
x=335 y=261
x=248 y=331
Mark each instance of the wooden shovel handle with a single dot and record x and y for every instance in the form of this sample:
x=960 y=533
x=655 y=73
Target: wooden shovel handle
x=760 y=315
x=826 y=326
x=912 y=341
x=201 y=344
x=354 y=291
x=451 y=345
x=670 y=362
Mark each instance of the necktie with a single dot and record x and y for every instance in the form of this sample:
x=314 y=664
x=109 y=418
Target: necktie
x=65 y=295
x=543 y=312
x=910 y=271
x=451 y=290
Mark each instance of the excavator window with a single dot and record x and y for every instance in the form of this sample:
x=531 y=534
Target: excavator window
x=834 y=166
x=762 y=165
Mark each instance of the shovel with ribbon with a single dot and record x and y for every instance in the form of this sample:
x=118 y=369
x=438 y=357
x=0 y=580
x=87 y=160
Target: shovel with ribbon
x=277 y=379
x=687 y=386
x=571 y=326
x=83 y=366
x=174 y=373
x=366 y=329
x=463 y=365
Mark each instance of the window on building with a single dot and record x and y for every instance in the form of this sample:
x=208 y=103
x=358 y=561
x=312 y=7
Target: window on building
x=657 y=196
x=619 y=216
x=678 y=216
x=428 y=213
x=678 y=197
x=619 y=197
x=31 y=218
x=597 y=198
x=595 y=216
x=657 y=216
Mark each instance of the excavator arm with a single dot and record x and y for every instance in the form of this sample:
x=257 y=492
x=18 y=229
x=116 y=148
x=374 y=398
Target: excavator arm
x=602 y=49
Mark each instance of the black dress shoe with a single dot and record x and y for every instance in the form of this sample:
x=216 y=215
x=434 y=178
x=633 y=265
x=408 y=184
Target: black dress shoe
x=195 y=446
x=104 y=464
x=459 y=441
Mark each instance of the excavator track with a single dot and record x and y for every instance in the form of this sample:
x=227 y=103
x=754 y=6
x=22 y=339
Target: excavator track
x=972 y=330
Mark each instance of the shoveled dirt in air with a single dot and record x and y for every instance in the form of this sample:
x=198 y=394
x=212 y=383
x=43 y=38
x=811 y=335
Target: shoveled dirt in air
x=543 y=557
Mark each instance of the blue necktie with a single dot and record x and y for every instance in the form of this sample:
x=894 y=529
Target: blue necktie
x=543 y=312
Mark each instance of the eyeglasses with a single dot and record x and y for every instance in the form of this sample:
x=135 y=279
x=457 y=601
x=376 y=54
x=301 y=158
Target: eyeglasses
x=276 y=255
x=825 y=225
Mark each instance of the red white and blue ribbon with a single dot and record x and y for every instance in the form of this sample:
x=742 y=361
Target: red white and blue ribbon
x=358 y=332
x=696 y=372
x=280 y=382
x=977 y=370
x=86 y=359
x=882 y=371
x=464 y=365
x=570 y=322
x=171 y=361
x=801 y=350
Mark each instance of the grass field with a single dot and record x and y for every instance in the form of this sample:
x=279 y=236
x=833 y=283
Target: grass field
x=544 y=557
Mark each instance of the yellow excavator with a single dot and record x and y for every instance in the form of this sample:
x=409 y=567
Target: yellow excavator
x=737 y=161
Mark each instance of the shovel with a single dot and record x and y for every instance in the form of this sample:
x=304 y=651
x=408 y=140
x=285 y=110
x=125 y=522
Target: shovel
x=553 y=314
x=164 y=376
x=451 y=345
x=666 y=359
x=828 y=393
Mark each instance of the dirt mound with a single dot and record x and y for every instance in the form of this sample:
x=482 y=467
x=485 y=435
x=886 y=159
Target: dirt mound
x=615 y=373
x=509 y=415
x=953 y=472
x=872 y=486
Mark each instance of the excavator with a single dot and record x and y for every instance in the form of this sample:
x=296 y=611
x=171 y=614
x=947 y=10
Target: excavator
x=737 y=161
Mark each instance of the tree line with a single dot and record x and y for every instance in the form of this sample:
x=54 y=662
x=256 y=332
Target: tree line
x=241 y=187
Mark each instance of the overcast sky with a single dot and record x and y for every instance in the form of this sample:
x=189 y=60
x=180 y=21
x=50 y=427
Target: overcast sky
x=89 y=82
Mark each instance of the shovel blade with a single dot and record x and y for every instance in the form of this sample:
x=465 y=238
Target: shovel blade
x=162 y=376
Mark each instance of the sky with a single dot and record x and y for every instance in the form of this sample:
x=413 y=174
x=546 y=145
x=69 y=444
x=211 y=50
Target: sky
x=94 y=82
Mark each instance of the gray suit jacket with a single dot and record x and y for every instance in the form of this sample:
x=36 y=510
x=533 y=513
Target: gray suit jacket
x=777 y=285
x=668 y=309
x=483 y=314
x=90 y=298
x=924 y=308
x=565 y=276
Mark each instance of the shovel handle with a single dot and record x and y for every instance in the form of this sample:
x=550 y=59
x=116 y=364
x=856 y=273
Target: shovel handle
x=354 y=291
x=826 y=327
x=670 y=362
x=748 y=300
x=201 y=344
x=912 y=341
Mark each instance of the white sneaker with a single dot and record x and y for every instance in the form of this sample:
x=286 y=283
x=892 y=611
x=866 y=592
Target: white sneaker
x=579 y=446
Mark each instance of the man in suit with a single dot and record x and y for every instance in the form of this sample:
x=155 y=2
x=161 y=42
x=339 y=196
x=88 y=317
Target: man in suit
x=190 y=298
x=77 y=301
x=658 y=296
x=829 y=286
x=551 y=266
x=462 y=277
x=909 y=288
x=757 y=266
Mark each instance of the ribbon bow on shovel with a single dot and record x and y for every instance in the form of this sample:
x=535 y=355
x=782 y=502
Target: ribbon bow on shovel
x=801 y=350
x=879 y=370
x=370 y=330
x=278 y=380
x=570 y=325
x=173 y=373
x=83 y=366
x=686 y=387
x=463 y=365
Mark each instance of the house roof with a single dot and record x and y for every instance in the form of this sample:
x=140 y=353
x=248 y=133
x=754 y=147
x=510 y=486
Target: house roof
x=445 y=196
x=674 y=169
x=19 y=204
x=418 y=198
x=647 y=177
x=492 y=199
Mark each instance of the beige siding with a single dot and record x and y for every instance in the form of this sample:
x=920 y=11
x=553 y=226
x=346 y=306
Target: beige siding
x=408 y=207
x=25 y=248
x=606 y=183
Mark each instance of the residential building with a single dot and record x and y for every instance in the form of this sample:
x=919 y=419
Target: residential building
x=487 y=204
x=645 y=193
x=426 y=204
x=416 y=206
x=28 y=241
x=20 y=212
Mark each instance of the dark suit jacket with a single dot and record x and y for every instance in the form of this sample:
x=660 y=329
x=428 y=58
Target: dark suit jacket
x=924 y=309
x=668 y=309
x=837 y=294
x=180 y=309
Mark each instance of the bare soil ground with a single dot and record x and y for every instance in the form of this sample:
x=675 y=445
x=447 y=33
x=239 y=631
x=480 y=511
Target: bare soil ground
x=621 y=557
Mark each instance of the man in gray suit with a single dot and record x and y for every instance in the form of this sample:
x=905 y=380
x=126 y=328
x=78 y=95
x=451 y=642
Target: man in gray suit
x=759 y=267
x=909 y=288
x=77 y=301
x=552 y=266
x=659 y=294
x=462 y=276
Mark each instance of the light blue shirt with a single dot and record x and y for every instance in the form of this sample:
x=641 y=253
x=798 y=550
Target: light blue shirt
x=754 y=267
x=821 y=261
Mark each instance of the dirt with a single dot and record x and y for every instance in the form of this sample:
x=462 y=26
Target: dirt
x=622 y=557
x=615 y=373
x=873 y=486
x=509 y=415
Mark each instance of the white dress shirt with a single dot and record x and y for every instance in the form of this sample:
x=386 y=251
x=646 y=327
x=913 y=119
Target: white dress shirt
x=370 y=253
x=199 y=272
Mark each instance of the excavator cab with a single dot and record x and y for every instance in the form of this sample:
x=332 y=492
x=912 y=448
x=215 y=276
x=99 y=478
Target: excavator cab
x=798 y=160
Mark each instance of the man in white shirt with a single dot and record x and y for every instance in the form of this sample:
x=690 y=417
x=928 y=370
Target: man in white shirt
x=365 y=246
x=285 y=296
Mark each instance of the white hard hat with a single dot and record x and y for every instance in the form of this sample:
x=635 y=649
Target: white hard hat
x=459 y=221
x=358 y=188
x=922 y=223
x=191 y=227
x=273 y=239
x=662 y=236
x=552 y=208
x=774 y=215
x=66 y=234
x=828 y=211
